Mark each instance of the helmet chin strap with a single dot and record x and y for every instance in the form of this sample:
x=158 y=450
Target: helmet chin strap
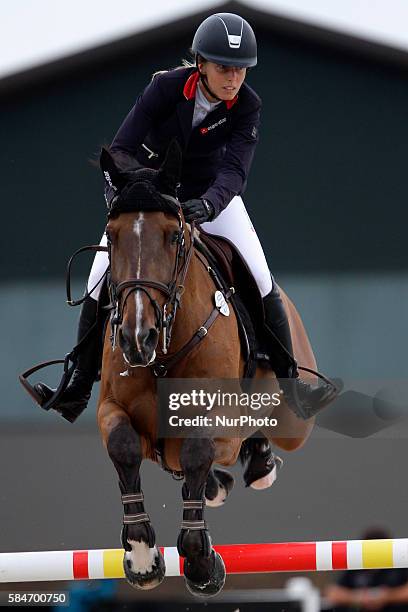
x=203 y=79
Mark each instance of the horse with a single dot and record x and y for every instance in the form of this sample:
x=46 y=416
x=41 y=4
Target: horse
x=153 y=268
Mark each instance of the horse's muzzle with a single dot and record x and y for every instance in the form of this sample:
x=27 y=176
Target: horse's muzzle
x=138 y=347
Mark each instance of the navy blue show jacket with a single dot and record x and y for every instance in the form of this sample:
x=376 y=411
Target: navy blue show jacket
x=217 y=154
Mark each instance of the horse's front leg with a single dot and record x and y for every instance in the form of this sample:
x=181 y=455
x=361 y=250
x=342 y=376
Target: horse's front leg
x=143 y=562
x=204 y=569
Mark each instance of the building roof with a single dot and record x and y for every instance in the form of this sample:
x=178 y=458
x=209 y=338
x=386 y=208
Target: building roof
x=38 y=32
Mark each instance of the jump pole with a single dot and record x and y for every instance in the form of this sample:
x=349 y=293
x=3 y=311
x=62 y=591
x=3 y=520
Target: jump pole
x=238 y=558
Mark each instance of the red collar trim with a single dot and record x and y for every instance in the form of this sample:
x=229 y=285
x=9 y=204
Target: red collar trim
x=190 y=87
x=230 y=103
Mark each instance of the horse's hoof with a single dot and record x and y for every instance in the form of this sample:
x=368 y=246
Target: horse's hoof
x=219 y=499
x=274 y=463
x=215 y=582
x=147 y=580
x=218 y=488
x=262 y=468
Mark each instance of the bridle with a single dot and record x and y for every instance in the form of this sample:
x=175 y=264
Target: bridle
x=165 y=317
x=173 y=290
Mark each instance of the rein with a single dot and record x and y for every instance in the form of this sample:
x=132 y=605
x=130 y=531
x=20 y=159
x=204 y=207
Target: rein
x=70 y=359
x=164 y=317
x=173 y=290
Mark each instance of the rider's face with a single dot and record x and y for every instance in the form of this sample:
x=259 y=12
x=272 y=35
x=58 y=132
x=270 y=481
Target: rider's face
x=224 y=81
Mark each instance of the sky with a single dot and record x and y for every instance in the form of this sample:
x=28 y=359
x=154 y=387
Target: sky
x=34 y=32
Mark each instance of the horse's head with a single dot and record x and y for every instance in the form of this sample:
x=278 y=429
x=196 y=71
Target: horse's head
x=147 y=253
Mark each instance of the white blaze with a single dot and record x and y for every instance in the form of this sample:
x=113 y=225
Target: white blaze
x=137 y=228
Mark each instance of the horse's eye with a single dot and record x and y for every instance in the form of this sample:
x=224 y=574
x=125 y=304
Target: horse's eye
x=175 y=237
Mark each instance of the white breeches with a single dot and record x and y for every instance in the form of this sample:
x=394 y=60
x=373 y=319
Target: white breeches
x=235 y=225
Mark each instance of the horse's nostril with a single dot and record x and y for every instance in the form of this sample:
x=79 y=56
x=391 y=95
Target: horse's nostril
x=151 y=338
x=123 y=338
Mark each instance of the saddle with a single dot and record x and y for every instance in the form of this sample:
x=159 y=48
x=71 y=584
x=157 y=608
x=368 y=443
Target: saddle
x=231 y=268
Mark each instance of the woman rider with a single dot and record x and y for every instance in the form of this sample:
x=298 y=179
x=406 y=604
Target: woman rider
x=215 y=117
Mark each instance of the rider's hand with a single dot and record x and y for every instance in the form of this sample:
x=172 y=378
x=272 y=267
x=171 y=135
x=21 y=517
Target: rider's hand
x=198 y=210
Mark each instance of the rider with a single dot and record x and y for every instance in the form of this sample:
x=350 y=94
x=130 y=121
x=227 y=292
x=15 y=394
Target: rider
x=215 y=117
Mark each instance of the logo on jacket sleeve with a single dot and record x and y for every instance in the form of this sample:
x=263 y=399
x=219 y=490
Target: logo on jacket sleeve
x=204 y=130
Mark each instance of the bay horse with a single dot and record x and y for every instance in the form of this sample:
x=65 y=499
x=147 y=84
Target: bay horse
x=152 y=262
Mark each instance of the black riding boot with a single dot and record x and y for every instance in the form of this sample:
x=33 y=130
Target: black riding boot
x=304 y=399
x=76 y=396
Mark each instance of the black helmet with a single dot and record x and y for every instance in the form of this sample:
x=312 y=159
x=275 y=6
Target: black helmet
x=225 y=38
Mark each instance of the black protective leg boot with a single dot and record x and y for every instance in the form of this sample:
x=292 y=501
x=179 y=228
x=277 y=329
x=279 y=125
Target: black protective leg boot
x=303 y=398
x=259 y=460
x=76 y=396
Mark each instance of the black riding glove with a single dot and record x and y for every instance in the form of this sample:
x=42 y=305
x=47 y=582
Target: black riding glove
x=198 y=210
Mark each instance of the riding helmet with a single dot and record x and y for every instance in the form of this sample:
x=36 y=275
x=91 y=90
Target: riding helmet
x=227 y=39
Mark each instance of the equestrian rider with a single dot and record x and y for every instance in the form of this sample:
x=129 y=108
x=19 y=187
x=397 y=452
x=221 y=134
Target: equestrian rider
x=215 y=117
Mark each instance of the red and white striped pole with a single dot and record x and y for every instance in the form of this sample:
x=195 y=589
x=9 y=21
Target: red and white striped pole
x=238 y=559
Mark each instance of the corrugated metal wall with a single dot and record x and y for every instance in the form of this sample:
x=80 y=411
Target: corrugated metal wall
x=327 y=191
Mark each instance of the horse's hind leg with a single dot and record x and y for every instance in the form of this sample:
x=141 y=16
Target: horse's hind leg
x=218 y=486
x=261 y=465
x=143 y=562
x=204 y=569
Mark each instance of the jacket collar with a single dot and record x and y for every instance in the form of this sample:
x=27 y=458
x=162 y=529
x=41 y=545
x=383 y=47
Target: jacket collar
x=190 y=87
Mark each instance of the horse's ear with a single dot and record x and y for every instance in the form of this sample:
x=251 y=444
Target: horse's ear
x=110 y=171
x=170 y=170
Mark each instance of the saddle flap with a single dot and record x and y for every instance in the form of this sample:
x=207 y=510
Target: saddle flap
x=222 y=251
x=237 y=274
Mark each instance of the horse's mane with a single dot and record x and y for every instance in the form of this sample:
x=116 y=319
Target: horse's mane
x=139 y=188
x=141 y=193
